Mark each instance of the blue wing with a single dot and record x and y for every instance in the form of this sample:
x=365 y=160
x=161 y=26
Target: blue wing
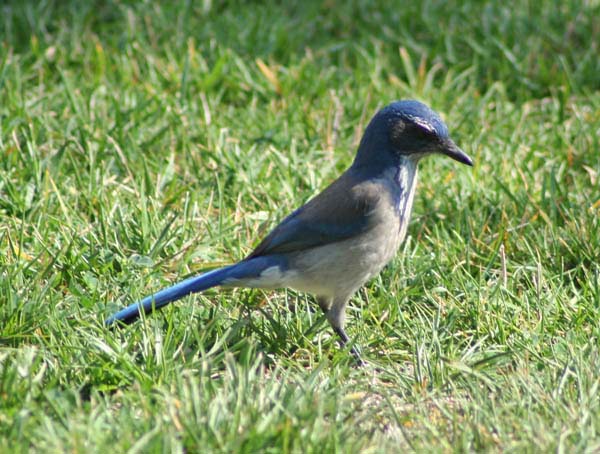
x=343 y=210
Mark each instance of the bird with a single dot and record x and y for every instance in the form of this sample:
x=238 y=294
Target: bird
x=344 y=236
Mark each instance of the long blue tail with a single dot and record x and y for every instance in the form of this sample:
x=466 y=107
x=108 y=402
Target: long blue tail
x=229 y=275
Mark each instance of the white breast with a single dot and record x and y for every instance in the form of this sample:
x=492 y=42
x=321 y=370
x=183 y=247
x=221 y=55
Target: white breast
x=346 y=265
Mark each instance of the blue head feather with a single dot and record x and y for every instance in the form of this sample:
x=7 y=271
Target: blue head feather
x=415 y=112
x=401 y=128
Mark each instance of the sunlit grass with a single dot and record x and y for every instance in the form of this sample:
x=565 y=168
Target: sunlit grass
x=143 y=143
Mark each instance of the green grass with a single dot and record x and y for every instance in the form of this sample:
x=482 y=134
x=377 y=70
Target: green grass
x=141 y=143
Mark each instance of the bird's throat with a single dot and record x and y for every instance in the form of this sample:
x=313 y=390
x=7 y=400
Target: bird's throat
x=406 y=182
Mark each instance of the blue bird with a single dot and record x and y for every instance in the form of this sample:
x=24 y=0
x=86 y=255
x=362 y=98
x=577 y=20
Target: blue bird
x=344 y=236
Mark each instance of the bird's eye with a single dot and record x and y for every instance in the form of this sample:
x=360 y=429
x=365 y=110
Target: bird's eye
x=403 y=132
x=420 y=132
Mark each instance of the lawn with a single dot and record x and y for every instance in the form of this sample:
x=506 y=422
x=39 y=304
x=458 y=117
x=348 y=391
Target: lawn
x=145 y=142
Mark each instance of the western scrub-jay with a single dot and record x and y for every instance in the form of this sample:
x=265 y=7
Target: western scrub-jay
x=344 y=236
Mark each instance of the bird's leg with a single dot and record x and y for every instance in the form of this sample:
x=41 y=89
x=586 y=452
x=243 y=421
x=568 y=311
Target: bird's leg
x=344 y=339
x=335 y=312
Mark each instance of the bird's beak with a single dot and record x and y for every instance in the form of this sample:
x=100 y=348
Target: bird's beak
x=449 y=148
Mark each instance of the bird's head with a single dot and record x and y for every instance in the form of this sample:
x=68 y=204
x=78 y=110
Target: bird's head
x=409 y=129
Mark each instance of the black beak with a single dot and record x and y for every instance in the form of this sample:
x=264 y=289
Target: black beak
x=449 y=148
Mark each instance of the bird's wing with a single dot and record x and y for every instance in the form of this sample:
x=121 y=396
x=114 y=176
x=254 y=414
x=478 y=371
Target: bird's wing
x=343 y=210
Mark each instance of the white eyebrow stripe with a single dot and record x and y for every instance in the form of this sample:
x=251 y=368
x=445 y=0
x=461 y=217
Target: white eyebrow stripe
x=439 y=130
x=424 y=124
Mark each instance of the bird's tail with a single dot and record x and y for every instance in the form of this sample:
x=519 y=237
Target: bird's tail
x=233 y=275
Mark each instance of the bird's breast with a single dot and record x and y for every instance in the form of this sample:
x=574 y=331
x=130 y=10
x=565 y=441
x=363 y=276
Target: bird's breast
x=342 y=267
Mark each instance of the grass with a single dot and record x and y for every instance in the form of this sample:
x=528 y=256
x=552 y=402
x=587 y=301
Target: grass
x=143 y=142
